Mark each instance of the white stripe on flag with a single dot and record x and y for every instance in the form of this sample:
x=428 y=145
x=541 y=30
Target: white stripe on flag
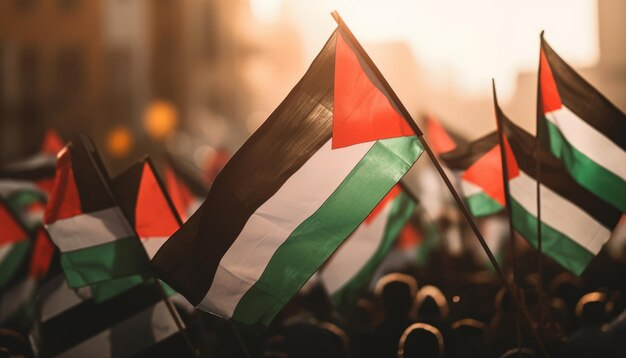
x=355 y=252
x=57 y=297
x=559 y=213
x=593 y=144
x=272 y=223
x=89 y=229
x=469 y=188
x=153 y=244
x=8 y=186
x=127 y=336
x=35 y=161
x=4 y=250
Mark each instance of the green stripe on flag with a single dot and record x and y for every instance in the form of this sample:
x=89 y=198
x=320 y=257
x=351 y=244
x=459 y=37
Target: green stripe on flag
x=599 y=180
x=12 y=261
x=113 y=260
x=481 y=204
x=318 y=236
x=401 y=211
x=561 y=248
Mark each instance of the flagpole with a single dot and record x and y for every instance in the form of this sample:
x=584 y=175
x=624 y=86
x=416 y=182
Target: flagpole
x=166 y=194
x=538 y=185
x=94 y=157
x=507 y=204
x=411 y=122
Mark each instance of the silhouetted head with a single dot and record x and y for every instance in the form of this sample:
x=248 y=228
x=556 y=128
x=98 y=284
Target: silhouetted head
x=566 y=287
x=396 y=292
x=431 y=305
x=421 y=340
x=591 y=309
x=467 y=338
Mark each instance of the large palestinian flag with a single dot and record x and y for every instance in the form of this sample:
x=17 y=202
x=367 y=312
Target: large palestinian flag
x=582 y=128
x=480 y=172
x=350 y=269
x=136 y=323
x=295 y=190
x=85 y=222
x=14 y=244
x=574 y=222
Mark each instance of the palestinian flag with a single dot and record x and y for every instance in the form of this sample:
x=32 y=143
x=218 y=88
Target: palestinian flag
x=582 y=128
x=574 y=222
x=16 y=300
x=151 y=212
x=439 y=138
x=294 y=192
x=86 y=223
x=480 y=171
x=186 y=189
x=350 y=269
x=14 y=244
x=135 y=323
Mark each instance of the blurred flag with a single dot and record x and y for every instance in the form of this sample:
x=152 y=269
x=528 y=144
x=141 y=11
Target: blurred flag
x=350 y=269
x=17 y=299
x=293 y=193
x=438 y=137
x=14 y=244
x=574 y=222
x=479 y=167
x=186 y=190
x=135 y=323
x=26 y=184
x=215 y=164
x=86 y=223
x=582 y=128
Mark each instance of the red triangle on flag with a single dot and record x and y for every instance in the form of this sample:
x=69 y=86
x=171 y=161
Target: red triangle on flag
x=179 y=192
x=10 y=230
x=153 y=215
x=64 y=201
x=550 y=97
x=439 y=139
x=362 y=112
x=42 y=254
x=52 y=143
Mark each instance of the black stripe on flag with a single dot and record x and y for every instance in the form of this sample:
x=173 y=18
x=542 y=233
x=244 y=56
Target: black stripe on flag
x=555 y=177
x=465 y=155
x=297 y=129
x=92 y=183
x=126 y=188
x=585 y=101
x=89 y=318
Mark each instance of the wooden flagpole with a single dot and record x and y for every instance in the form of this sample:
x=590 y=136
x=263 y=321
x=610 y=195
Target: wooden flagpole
x=411 y=122
x=538 y=187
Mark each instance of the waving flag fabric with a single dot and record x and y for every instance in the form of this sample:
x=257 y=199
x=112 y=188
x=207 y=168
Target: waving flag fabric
x=186 y=190
x=350 y=269
x=582 y=128
x=292 y=194
x=14 y=243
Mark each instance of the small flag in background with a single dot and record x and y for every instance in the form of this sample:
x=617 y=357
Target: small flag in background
x=350 y=269
x=582 y=128
x=85 y=222
x=140 y=193
x=14 y=244
x=480 y=172
x=294 y=191
x=574 y=222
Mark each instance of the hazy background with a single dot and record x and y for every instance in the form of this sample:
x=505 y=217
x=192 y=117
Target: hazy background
x=196 y=76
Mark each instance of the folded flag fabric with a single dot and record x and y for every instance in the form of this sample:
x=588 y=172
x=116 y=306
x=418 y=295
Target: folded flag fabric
x=350 y=269
x=135 y=323
x=187 y=190
x=582 y=128
x=292 y=194
x=479 y=168
x=85 y=222
x=575 y=224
